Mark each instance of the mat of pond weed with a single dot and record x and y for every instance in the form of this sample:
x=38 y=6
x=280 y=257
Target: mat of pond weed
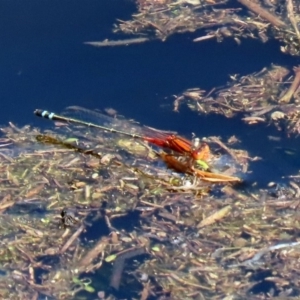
x=81 y=217
x=270 y=95
x=219 y=20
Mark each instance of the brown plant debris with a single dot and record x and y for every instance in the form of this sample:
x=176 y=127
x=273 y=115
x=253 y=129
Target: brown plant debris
x=72 y=224
x=218 y=19
x=271 y=95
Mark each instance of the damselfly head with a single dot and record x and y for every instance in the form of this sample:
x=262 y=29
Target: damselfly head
x=202 y=152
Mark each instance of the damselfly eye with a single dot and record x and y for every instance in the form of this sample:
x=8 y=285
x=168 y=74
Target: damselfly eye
x=202 y=152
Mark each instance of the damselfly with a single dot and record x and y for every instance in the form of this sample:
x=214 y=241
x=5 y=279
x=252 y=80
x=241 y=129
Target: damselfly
x=189 y=151
x=159 y=138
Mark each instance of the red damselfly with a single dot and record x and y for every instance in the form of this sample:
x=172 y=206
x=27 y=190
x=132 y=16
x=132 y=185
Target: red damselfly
x=163 y=139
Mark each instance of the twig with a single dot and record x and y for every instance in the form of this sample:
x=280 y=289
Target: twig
x=83 y=265
x=119 y=264
x=107 y=43
x=255 y=260
x=286 y=98
x=71 y=240
x=216 y=140
x=291 y=15
x=256 y=8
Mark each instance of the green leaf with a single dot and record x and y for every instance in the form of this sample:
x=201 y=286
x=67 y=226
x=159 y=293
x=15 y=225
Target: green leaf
x=71 y=140
x=77 y=280
x=45 y=221
x=89 y=288
x=110 y=258
x=155 y=248
x=202 y=164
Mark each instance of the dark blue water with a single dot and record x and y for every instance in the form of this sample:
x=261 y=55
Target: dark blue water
x=44 y=64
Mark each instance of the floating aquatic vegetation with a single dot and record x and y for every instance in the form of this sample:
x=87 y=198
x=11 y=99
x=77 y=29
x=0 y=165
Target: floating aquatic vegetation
x=217 y=19
x=271 y=95
x=78 y=213
x=53 y=186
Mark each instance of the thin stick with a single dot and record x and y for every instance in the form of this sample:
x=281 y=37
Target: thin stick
x=256 y=8
x=286 y=98
x=107 y=43
x=291 y=15
x=72 y=239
